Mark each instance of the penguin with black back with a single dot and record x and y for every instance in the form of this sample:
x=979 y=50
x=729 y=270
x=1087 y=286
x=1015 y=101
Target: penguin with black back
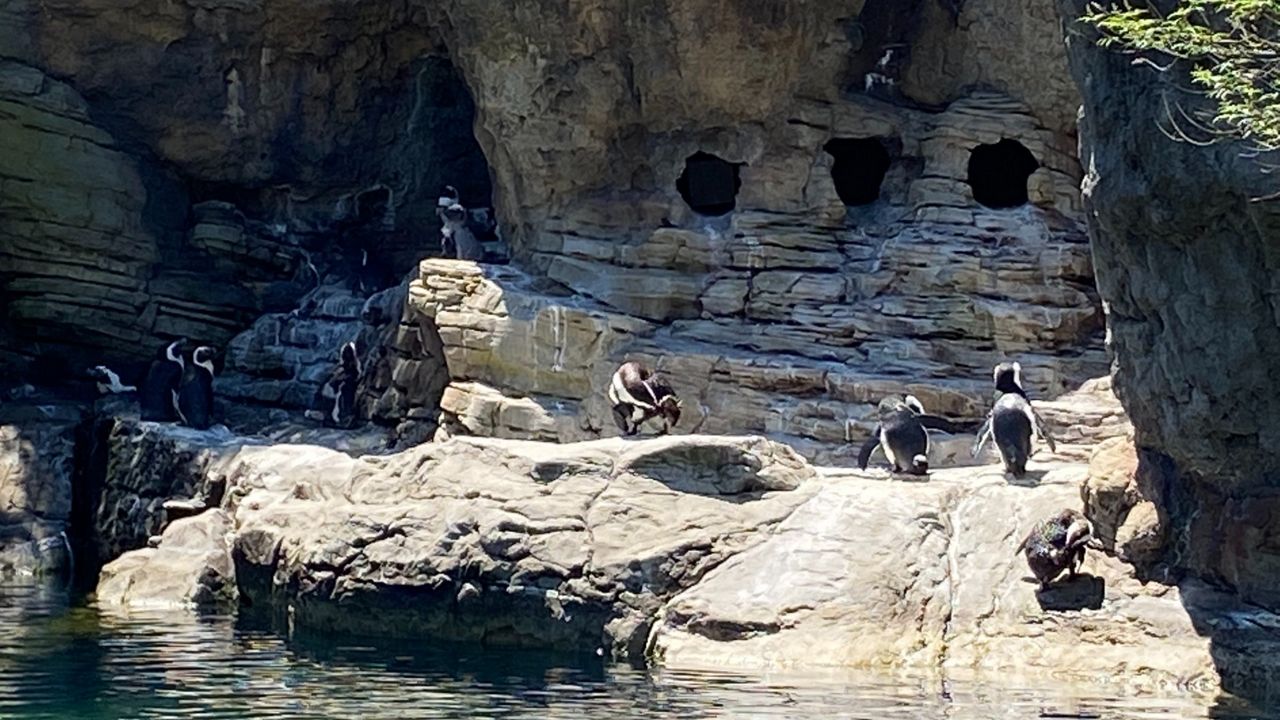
x=637 y=394
x=1056 y=544
x=195 y=398
x=1012 y=421
x=159 y=395
x=457 y=238
x=902 y=434
x=335 y=400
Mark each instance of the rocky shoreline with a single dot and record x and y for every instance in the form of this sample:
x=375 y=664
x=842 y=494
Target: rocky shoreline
x=688 y=551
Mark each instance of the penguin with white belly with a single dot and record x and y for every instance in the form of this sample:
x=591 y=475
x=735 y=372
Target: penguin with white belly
x=194 y=404
x=335 y=400
x=902 y=434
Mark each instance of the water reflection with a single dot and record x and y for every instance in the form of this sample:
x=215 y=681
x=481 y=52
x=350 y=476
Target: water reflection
x=58 y=660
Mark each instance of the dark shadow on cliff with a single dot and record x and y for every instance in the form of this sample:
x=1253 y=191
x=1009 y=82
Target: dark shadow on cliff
x=1082 y=592
x=1206 y=556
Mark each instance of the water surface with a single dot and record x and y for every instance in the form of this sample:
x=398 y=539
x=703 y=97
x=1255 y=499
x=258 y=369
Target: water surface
x=64 y=659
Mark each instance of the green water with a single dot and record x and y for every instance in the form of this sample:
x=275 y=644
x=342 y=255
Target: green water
x=63 y=660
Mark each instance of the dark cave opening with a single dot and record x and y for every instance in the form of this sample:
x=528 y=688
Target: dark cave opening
x=858 y=168
x=709 y=184
x=998 y=173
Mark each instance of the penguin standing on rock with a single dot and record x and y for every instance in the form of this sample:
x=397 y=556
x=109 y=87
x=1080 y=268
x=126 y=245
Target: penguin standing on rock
x=194 y=404
x=1056 y=544
x=1012 y=421
x=159 y=396
x=335 y=401
x=902 y=435
x=456 y=239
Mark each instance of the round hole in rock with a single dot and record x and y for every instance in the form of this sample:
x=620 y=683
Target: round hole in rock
x=998 y=173
x=709 y=184
x=857 y=168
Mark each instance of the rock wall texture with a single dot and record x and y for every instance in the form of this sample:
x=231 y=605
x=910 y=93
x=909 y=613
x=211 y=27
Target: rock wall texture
x=193 y=167
x=37 y=471
x=693 y=551
x=1186 y=258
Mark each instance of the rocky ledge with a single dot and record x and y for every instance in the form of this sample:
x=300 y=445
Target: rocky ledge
x=691 y=551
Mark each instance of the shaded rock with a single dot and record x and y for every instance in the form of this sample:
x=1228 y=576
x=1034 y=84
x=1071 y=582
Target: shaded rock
x=37 y=472
x=190 y=566
x=1192 y=327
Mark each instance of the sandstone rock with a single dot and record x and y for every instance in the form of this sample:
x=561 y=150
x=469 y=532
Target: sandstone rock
x=695 y=550
x=191 y=566
x=1111 y=491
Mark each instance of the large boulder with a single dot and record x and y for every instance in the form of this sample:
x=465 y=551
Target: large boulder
x=191 y=567
x=691 y=550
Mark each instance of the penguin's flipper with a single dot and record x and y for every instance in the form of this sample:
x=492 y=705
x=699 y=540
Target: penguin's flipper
x=1042 y=429
x=933 y=422
x=984 y=433
x=868 y=447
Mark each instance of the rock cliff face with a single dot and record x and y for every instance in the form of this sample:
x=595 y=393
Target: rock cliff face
x=1185 y=253
x=192 y=167
x=791 y=209
x=802 y=110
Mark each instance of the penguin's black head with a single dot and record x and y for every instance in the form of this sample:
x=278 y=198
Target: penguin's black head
x=670 y=406
x=449 y=196
x=892 y=405
x=455 y=213
x=203 y=356
x=349 y=354
x=97 y=373
x=1008 y=378
x=173 y=351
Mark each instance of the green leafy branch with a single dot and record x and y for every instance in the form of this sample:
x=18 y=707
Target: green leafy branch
x=1233 y=48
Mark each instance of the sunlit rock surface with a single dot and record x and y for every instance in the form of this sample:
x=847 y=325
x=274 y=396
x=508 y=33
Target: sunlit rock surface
x=692 y=550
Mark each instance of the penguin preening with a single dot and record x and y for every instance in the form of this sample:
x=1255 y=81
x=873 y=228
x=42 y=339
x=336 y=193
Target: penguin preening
x=159 y=396
x=1012 y=421
x=194 y=403
x=637 y=394
x=108 y=381
x=335 y=400
x=1056 y=544
x=901 y=433
x=456 y=239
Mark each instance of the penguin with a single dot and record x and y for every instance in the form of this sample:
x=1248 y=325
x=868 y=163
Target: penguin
x=194 y=404
x=335 y=400
x=456 y=239
x=159 y=395
x=1012 y=421
x=1056 y=544
x=901 y=433
x=108 y=381
x=448 y=197
x=637 y=394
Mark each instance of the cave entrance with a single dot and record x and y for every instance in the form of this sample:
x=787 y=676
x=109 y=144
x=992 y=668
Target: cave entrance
x=858 y=167
x=998 y=173
x=709 y=184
